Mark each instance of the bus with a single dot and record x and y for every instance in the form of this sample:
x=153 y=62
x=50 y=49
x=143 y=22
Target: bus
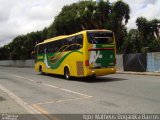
x=83 y=54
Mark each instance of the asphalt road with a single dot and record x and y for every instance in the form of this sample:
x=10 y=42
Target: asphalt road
x=51 y=94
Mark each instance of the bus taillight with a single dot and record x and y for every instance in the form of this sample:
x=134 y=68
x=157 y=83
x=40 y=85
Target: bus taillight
x=87 y=63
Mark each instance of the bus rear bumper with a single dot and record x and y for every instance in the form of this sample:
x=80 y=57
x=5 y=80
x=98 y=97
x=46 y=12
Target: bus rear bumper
x=100 y=72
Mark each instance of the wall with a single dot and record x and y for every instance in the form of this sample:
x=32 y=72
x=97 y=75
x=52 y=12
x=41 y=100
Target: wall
x=17 y=63
x=153 y=62
x=30 y=63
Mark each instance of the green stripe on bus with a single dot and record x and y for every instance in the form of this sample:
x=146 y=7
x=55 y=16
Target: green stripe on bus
x=58 y=63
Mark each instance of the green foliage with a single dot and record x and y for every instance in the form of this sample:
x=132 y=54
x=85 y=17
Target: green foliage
x=22 y=46
x=132 y=44
x=145 y=38
x=4 y=52
x=155 y=45
x=91 y=15
x=118 y=19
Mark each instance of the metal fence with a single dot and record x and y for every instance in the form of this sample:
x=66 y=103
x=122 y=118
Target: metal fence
x=142 y=62
x=153 y=62
x=135 y=62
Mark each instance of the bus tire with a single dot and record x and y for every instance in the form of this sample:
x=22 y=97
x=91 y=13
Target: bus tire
x=67 y=73
x=41 y=70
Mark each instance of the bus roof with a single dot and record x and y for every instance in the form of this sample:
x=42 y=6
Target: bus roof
x=65 y=36
x=55 y=38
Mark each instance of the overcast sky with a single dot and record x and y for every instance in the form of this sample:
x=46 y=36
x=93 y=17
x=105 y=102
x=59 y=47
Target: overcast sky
x=24 y=16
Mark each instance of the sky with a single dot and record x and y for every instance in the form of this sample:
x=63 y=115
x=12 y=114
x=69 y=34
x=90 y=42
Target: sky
x=19 y=17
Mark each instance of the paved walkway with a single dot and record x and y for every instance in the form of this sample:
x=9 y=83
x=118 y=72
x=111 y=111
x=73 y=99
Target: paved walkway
x=139 y=73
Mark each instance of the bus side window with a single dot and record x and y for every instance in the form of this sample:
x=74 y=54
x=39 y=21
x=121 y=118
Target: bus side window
x=36 y=50
x=70 y=43
x=53 y=47
x=35 y=53
x=49 y=47
x=79 y=39
x=56 y=46
x=70 y=40
x=41 y=48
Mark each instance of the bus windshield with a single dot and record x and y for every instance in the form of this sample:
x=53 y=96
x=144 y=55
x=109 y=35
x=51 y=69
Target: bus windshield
x=100 y=37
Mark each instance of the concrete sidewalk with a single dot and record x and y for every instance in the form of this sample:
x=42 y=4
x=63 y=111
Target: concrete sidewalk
x=139 y=73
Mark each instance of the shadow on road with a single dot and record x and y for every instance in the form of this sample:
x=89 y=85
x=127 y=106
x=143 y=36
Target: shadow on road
x=99 y=79
x=88 y=79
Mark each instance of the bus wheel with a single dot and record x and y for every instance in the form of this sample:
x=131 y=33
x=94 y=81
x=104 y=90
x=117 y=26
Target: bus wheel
x=67 y=73
x=40 y=70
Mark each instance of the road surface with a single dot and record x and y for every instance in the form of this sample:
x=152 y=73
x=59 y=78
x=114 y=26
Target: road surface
x=51 y=94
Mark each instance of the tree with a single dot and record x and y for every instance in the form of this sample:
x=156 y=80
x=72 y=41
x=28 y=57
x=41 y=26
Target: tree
x=74 y=18
x=118 y=19
x=149 y=32
x=155 y=27
x=132 y=43
x=92 y=15
x=4 y=53
x=144 y=28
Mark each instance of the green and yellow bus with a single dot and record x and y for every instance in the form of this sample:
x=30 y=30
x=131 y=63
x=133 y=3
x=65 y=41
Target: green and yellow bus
x=86 y=53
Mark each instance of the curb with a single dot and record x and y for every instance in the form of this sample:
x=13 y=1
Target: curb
x=140 y=73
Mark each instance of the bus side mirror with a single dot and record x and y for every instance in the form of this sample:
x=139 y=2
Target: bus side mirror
x=33 y=52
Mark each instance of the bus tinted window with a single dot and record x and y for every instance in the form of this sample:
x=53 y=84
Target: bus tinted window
x=41 y=48
x=100 y=37
x=74 y=43
x=71 y=40
x=68 y=44
x=35 y=53
x=79 y=39
x=48 y=48
x=57 y=46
